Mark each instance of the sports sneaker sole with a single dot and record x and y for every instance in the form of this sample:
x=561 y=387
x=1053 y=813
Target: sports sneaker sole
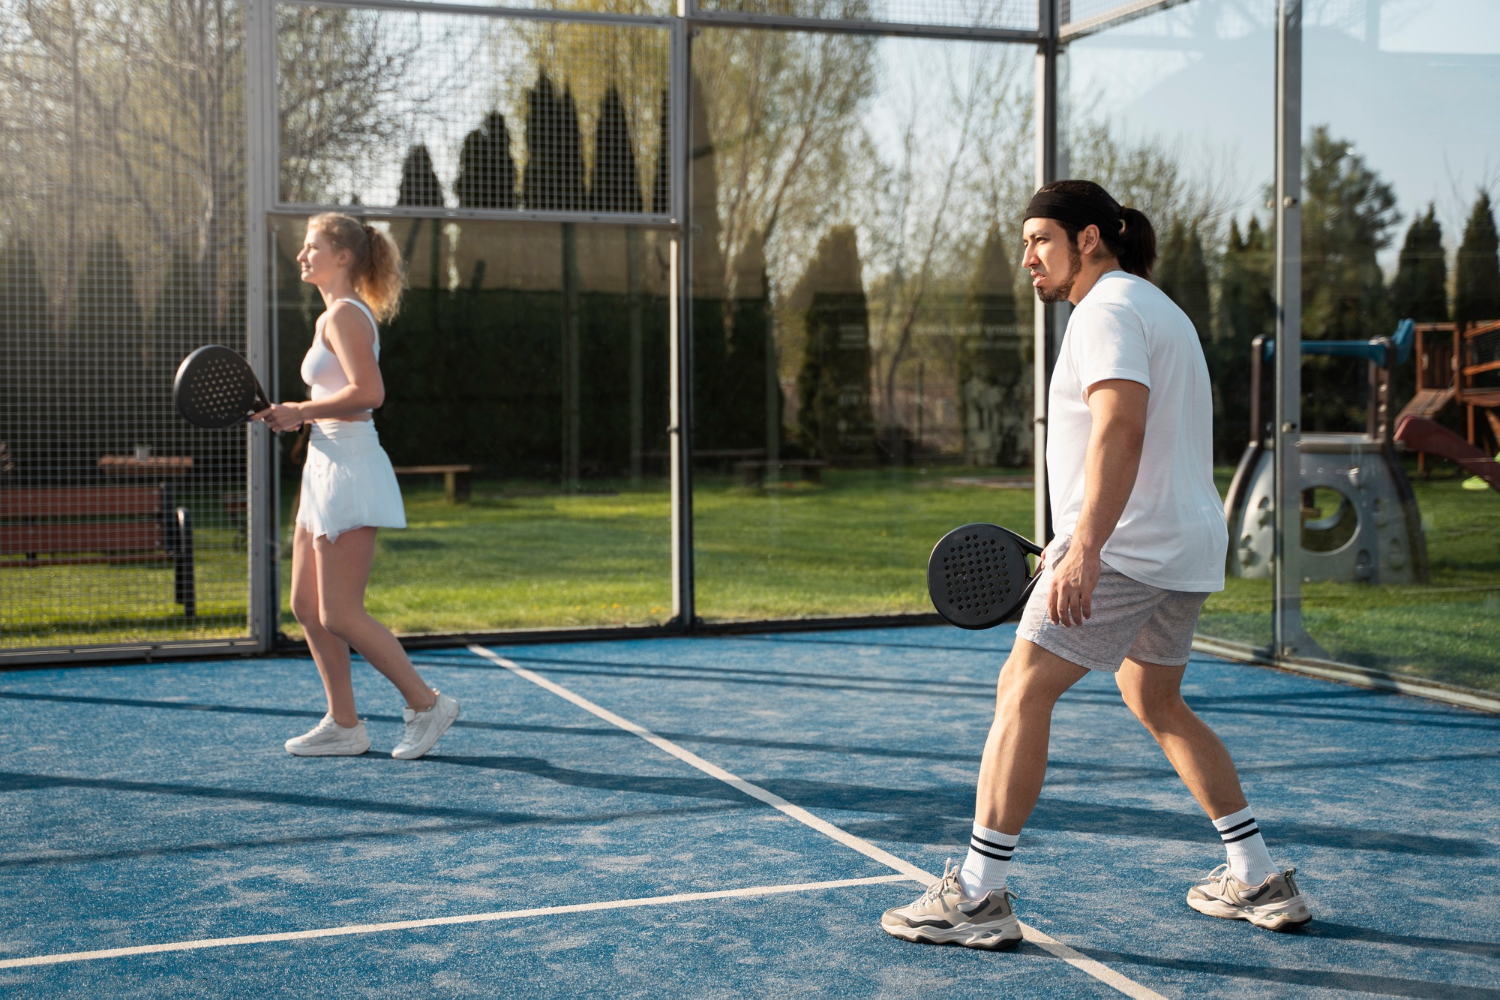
x=1281 y=917
x=352 y=750
x=988 y=939
x=412 y=753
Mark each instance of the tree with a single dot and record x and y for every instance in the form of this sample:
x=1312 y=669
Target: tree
x=106 y=365
x=28 y=352
x=419 y=181
x=1183 y=274
x=1419 y=290
x=1246 y=310
x=486 y=170
x=553 y=178
x=834 y=417
x=993 y=362
x=1346 y=217
x=1476 y=290
x=617 y=185
x=661 y=183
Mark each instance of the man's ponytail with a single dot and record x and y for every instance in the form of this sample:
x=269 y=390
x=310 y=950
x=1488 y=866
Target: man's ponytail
x=1136 y=240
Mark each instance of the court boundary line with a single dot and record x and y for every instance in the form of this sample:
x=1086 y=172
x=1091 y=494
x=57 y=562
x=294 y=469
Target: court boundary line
x=1046 y=942
x=349 y=930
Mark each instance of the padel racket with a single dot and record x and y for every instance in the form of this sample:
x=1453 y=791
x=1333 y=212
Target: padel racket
x=978 y=576
x=216 y=388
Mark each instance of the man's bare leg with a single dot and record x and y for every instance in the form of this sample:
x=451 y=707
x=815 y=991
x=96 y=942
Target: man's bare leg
x=1154 y=693
x=1015 y=754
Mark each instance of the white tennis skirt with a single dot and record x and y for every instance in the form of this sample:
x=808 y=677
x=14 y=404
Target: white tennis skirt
x=348 y=481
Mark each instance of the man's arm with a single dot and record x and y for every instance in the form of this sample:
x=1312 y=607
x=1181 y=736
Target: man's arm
x=1118 y=407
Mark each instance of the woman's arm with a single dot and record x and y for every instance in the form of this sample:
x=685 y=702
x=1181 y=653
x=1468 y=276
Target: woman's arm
x=352 y=340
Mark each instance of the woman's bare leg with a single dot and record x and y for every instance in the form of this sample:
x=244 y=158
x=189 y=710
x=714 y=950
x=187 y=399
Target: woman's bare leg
x=329 y=652
x=343 y=569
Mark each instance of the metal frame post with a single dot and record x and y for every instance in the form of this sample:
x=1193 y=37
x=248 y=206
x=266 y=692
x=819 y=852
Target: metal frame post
x=1045 y=318
x=261 y=173
x=1288 y=636
x=679 y=431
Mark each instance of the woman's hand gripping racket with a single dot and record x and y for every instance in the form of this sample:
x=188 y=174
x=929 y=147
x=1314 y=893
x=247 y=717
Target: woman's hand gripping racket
x=216 y=388
x=978 y=576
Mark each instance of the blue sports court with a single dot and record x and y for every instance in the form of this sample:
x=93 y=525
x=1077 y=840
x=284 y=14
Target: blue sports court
x=716 y=817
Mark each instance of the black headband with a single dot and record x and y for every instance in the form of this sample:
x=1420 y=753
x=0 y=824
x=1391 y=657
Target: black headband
x=1077 y=210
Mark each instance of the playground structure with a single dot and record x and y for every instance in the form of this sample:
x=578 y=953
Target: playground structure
x=1374 y=534
x=1460 y=367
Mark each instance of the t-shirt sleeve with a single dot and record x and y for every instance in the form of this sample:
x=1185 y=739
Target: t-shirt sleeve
x=1110 y=343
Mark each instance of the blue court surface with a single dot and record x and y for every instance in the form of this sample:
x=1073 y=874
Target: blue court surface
x=715 y=817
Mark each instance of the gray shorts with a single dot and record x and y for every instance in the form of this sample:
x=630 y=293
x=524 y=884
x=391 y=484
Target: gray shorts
x=1129 y=618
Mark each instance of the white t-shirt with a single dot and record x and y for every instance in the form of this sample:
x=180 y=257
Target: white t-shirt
x=1172 y=533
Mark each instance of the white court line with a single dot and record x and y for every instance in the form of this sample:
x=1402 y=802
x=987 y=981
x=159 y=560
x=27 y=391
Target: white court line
x=406 y=925
x=1081 y=962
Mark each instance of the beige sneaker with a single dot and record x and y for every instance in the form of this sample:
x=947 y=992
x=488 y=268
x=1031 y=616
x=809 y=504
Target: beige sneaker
x=944 y=915
x=1275 y=904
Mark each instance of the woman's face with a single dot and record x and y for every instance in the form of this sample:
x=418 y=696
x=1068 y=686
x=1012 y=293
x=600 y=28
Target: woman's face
x=322 y=263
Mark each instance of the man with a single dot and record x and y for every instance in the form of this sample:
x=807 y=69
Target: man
x=1140 y=542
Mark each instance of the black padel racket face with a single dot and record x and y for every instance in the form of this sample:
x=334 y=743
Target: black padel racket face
x=215 y=388
x=978 y=576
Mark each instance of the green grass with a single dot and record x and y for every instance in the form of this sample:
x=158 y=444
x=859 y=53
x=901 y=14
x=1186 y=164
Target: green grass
x=89 y=605
x=856 y=545
x=523 y=555
x=518 y=557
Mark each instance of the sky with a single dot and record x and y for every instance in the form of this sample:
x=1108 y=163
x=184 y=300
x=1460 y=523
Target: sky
x=1414 y=84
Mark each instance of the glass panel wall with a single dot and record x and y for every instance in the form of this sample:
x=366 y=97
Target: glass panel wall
x=1400 y=154
x=122 y=248
x=861 y=339
x=1015 y=14
x=1174 y=113
x=535 y=353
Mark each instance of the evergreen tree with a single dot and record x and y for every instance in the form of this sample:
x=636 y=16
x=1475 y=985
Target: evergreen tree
x=182 y=321
x=553 y=178
x=28 y=354
x=1477 y=270
x=993 y=370
x=419 y=181
x=617 y=186
x=1346 y=215
x=1183 y=274
x=1247 y=309
x=486 y=170
x=835 y=420
x=105 y=373
x=1420 y=289
x=661 y=188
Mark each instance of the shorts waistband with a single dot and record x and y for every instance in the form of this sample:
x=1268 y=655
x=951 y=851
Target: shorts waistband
x=344 y=430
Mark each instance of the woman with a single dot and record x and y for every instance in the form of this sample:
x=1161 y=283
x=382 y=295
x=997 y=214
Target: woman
x=349 y=489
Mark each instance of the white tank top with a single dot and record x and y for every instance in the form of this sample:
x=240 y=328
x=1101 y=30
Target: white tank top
x=321 y=369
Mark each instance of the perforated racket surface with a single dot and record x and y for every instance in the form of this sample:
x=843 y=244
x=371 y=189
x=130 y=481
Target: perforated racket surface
x=978 y=576
x=216 y=388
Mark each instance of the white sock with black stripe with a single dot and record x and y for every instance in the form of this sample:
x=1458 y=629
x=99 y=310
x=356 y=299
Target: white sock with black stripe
x=989 y=858
x=1248 y=857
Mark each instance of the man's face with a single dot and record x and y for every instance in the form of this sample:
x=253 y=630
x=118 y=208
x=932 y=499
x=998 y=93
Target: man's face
x=1053 y=260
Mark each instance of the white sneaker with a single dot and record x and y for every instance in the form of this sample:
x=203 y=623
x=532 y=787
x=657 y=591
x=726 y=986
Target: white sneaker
x=329 y=739
x=423 y=729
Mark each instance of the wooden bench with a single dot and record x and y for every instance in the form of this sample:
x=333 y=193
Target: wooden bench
x=81 y=525
x=457 y=487
x=753 y=473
